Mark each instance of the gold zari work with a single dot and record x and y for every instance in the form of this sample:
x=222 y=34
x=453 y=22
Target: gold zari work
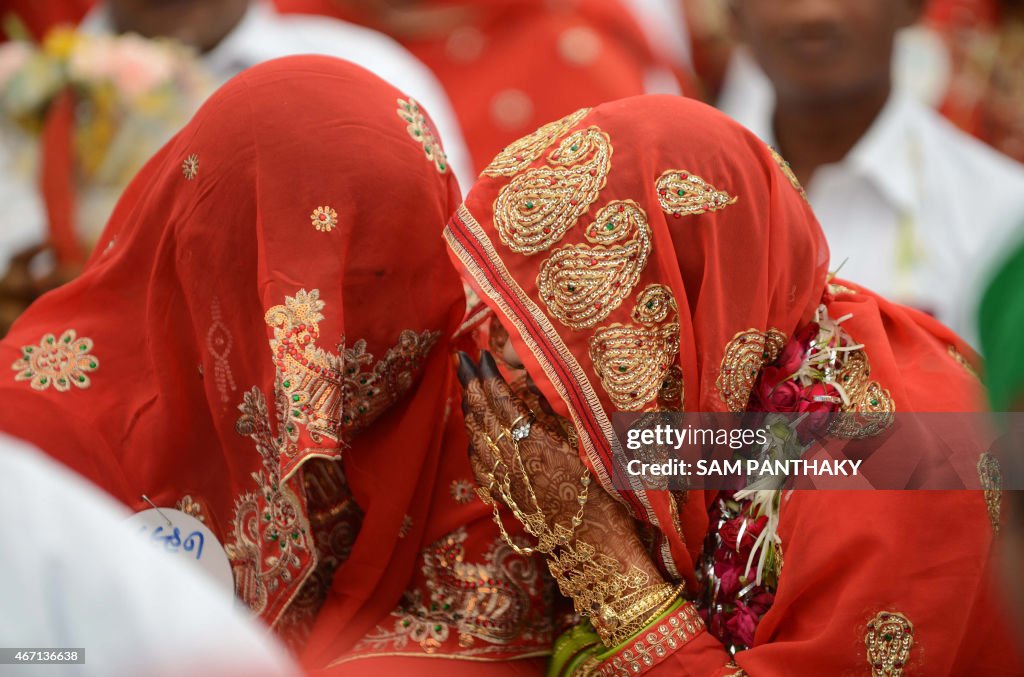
x=536 y=209
x=653 y=645
x=871 y=408
x=959 y=358
x=633 y=362
x=991 y=477
x=516 y=156
x=787 y=171
x=420 y=131
x=889 y=639
x=581 y=285
x=681 y=193
x=744 y=357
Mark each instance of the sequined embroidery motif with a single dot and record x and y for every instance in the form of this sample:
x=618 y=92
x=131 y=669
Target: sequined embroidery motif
x=787 y=171
x=190 y=167
x=633 y=362
x=871 y=408
x=889 y=639
x=581 y=285
x=991 y=477
x=959 y=358
x=419 y=130
x=58 y=362
x=744 y=357
x=270 y=519
x=681 y=193
x=482 y=606
x=516 y=156
x=324 y=219
x=536 y=209
x=654 y=645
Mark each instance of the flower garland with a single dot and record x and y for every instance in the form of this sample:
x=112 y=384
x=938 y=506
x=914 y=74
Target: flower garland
x=743 y=553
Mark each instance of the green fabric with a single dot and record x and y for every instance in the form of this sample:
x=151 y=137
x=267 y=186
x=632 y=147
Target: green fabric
x=1001 y=323
x=571 y=648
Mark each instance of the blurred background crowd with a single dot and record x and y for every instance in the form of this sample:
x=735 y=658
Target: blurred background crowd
x=903 y=120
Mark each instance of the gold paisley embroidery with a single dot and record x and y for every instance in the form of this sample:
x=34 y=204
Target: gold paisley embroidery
x=871 y=408
x=991 y=477
x=516 y=156
x=787 y=171
x=633 y=362
x=889 y=639
x=654 y=304
x=959 y=358
x=419 y=130
x=745 y=355
x=581 y=285
x=472 y=608
x=270 y=538
x=190 y=167
x=59 y=362
x=537 y=208
x=681 y=193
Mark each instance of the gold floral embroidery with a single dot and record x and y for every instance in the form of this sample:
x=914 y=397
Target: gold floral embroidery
x=889 y=639
x=959 y=358
x=836 y=289
x=515 y=157
x=271 y=519
x=190 y=167
x=787 y=171
x=218 y=342
x=653 y=646
x=745 y=355
x=58 y=362
x=871 y=408
x=190 y=506
x=406 y=528
x=581 y=285
x=991 y=477
x=681 y=193
x=324 y=219
x=462 y=491
x=310 y=377
x=633 y=362
x=419 y=130
x=479 y=607
x=370 y=387
x=536 y=209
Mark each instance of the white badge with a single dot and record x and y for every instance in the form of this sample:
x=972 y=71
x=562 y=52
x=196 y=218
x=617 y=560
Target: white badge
x=187 y=539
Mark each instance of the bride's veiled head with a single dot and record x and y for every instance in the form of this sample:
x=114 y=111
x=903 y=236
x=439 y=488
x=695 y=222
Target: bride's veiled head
x=270 y=284
x=647 y=254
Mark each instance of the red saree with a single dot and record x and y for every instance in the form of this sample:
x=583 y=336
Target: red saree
x=651 y=254
x=263 y=338
x=509 y=65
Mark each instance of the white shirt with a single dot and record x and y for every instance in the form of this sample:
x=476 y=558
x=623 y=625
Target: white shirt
x=917 y=211
x=262 y=34
x=76 y=576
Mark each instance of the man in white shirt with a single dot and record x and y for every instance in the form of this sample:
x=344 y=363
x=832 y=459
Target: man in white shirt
x=233 y=35
x=912 y=207
x=76 y=576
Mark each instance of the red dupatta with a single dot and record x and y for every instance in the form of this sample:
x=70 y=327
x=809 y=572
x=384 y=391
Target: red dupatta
x=266 y=294
x=651 y=254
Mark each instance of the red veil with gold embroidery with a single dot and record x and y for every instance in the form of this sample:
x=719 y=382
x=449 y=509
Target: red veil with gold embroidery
x=650 y=254
x=267 y=289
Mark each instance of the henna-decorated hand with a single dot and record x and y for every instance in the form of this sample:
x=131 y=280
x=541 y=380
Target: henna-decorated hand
x=552 y=466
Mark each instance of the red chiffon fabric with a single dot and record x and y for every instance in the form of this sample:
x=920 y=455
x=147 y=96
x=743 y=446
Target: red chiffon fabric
x=510 y=65
x=265 y=297
x=740 y=254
